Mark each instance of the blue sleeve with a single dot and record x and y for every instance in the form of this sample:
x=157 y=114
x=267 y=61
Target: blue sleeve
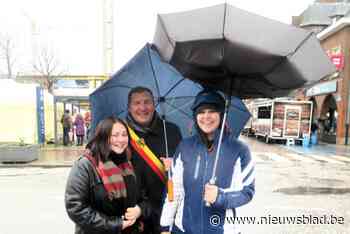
x=244 y=183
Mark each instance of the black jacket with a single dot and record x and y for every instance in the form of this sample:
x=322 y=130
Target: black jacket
x=82 y=202
x=154 y=139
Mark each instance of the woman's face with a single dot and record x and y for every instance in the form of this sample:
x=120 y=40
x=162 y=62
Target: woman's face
x=208 y=121
x=119 y=138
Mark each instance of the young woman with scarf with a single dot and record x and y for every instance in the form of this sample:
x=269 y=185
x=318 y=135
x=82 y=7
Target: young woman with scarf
x=102 y=195
x=192 y=169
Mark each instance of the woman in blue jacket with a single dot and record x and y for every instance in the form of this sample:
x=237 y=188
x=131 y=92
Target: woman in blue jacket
x=192 y=169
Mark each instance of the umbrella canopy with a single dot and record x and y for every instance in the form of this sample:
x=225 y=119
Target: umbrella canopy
x=240 y=53
x=173 y=93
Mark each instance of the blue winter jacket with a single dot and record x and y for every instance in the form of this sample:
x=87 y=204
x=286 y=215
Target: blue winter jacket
x=192 y=169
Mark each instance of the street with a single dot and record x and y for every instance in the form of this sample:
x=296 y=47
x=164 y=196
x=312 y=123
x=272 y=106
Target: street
x=314 y=190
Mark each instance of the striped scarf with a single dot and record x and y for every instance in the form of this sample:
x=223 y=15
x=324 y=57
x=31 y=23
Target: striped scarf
x=112 y=176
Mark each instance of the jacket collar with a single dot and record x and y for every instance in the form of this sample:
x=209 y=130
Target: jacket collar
x=152 y=128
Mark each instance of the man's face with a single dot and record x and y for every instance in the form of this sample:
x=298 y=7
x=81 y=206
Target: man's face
x=141 y=108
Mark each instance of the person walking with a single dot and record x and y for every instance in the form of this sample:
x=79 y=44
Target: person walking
x=102 y=194
x=198 y=206
x=87 y=120
x=149 y=149
x=66 y=121
x=79 y=128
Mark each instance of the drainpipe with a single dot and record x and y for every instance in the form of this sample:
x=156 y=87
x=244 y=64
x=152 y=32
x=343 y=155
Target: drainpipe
x=347 y=120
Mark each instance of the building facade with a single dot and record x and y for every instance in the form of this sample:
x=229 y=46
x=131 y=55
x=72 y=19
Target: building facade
x=331 y=95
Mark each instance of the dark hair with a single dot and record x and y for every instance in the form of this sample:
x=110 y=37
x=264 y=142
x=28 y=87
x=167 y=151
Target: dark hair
x=209 y=97
x=139 y=89
x=99 y=144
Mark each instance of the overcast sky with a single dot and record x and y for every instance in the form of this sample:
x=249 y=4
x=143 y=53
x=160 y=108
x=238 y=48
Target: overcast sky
x=73 y=28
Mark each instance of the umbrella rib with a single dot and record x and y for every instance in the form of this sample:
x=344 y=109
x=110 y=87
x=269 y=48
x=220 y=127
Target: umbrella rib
x=112 y=86
x=166 y=31
x=224 y=21
x=288 y=55
x=174 y=98
x=153 y=72
x=262 y=93
x=300 y=44
x=120 y=112
x=173 y=87
x=183 y=112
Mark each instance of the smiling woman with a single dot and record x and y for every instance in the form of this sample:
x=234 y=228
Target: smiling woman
x=119 y=138
x=102 y=193
x=193 y=164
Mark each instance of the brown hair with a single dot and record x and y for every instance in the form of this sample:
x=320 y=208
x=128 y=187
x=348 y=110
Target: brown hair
x=99 y=144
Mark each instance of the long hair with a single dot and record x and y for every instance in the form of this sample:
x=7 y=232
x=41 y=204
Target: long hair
x=99 y=145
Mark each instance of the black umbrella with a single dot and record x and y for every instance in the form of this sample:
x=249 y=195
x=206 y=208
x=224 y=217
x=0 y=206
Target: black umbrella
x=223 y=46
x=240 y=53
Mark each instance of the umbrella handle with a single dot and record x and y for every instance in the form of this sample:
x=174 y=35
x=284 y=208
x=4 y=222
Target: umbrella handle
x=170 y=186
x=211 y=182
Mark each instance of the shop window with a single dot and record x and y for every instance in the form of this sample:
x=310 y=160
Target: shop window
x=264 y=112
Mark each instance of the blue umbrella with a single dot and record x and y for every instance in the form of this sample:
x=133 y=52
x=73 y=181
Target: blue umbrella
x=173 y=93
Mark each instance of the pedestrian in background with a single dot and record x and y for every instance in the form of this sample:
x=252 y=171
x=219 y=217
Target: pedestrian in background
x=79 y=128
x=102 y=195
x=192 y=169
x=66 y=122
x=87 y=120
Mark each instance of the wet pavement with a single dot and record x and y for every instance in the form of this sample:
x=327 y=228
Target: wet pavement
x=51 y=156
x=322 y=149
x=290 y=184
x=64 y=156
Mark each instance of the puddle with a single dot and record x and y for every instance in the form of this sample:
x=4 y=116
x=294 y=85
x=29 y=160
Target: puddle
x=312 y=190
x=325 y=180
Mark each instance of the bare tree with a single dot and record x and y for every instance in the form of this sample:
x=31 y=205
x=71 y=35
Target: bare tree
x=7 y=54
x=48 y=67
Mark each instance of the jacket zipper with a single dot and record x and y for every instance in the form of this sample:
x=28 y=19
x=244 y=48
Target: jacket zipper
x=196 y=170
x=203 y=184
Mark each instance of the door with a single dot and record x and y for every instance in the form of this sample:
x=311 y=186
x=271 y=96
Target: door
x=291 y=126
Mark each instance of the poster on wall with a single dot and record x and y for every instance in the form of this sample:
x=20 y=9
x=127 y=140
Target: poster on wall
x=40 y=115
x=337 y=57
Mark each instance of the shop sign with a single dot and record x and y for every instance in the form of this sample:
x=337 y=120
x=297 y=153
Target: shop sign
x=337 y=57
x=338 y=61
x=326 y=87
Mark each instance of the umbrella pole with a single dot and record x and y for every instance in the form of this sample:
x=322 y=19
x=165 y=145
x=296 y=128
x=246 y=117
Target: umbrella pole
x=170 y=186
x=212 y=180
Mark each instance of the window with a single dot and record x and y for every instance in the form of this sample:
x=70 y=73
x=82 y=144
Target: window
x=264 y=112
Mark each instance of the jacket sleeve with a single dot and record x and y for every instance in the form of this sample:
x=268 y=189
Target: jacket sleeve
x=170 y=208
x=78 y=201
x=144 y=204
x=243 y=186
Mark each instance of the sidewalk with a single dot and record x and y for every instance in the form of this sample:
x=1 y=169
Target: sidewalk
x=64 y=156
x=52 y=156
x=322 y=149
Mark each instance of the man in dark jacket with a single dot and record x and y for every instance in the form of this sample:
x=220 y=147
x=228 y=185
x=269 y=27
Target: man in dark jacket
x=66 y=121
x=147 y=127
